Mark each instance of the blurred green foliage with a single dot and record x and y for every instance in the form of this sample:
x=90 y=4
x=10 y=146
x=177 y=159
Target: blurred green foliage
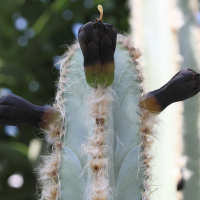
x=32 y=33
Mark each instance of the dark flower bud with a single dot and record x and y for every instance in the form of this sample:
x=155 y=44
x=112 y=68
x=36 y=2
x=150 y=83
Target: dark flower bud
x=15 y=111
x=184 y=85
x=98 y=42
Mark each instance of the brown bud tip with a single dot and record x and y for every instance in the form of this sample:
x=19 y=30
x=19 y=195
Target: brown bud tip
x=49 y=116
x=150 y=103
x=98 y=42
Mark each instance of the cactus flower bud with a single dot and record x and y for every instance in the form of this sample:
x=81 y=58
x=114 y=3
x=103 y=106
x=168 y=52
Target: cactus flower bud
x=98 y=42
x=15 y=111
x=184 y=85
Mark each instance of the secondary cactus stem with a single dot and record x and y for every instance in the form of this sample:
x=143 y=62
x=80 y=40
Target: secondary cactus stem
x=100 y=8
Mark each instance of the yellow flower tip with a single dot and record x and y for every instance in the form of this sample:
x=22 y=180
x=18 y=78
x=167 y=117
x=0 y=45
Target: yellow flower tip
x=100 y=8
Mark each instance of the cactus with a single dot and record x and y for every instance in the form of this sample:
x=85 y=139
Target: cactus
x=101 y=132
x=98 y=130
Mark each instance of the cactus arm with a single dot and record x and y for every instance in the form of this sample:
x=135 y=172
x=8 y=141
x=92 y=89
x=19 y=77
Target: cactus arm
x=15 y=111
x=184 y=85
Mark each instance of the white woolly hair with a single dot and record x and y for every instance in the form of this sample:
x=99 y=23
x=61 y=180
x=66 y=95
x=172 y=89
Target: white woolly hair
x=96 y=147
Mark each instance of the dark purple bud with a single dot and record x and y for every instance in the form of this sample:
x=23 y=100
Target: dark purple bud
x=98 y=42
x=184 y=85
x=15 y=111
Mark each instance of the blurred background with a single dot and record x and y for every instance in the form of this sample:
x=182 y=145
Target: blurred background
x=32 y=35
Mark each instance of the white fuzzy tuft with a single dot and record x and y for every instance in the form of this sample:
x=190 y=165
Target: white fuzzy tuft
x=100 y=104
